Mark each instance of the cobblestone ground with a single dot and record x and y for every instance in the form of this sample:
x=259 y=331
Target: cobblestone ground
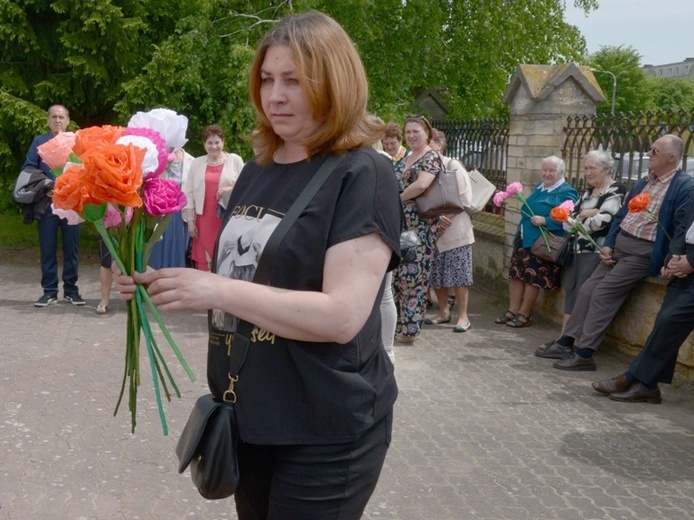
x=483 y=429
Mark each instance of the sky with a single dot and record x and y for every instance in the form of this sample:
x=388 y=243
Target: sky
x=661 y=31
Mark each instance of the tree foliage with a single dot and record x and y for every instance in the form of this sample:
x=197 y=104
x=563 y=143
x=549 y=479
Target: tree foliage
x=632 y=93
x=106 y=59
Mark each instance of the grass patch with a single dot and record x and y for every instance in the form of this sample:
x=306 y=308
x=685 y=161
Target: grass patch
x=19 y=242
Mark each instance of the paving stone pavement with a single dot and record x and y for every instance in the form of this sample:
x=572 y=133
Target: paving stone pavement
x=483 y=429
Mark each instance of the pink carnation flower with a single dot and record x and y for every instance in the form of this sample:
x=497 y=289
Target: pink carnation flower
x=499 y=198
x=514 y=188
x=568 y=205
x=56 y=151
x=113 y=216
x=162 y=196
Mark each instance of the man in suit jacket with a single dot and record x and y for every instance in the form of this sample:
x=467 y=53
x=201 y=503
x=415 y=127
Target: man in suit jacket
x=656 y=362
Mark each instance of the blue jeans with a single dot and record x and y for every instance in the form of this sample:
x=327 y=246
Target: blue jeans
x=48 y=225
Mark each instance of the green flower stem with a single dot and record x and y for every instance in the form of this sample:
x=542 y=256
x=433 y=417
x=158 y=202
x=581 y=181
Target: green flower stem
x=152 y=362
x=669 y=238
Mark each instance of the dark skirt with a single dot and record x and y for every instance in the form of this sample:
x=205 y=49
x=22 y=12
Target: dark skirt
x=452 y=268
x=528 y=268
x=577 y=272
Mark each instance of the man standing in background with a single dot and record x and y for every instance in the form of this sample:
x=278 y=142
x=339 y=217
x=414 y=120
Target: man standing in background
x=49 y=224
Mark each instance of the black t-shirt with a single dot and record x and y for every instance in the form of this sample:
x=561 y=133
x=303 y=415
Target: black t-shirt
x=297 y=392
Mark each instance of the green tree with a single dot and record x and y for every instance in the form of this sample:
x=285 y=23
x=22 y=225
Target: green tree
x=105 y=59
x=632 y=92
x=668 y=93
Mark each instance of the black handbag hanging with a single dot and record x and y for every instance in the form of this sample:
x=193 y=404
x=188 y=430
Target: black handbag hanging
x=209 y=439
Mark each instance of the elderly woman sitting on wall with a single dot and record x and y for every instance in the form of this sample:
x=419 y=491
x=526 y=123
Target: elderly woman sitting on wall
x=528 y=273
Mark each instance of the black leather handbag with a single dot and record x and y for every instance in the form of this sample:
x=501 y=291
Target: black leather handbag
x=210 y=438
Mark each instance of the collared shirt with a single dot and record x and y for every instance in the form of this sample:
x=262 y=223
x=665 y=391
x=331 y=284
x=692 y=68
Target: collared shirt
x=641 y=224
x=550 y=189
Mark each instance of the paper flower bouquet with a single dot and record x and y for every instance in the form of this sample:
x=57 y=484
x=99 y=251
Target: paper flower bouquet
x=109 y=175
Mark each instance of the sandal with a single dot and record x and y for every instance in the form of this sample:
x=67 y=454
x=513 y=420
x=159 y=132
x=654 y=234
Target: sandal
x=437 y=320
x=401 y=338
x=505 y=318
x=101 y=309
x=521 y=320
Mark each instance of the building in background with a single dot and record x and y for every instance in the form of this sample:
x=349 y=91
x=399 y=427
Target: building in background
x=679 y=70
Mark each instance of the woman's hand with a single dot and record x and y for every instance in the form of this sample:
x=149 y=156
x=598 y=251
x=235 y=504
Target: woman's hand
x=222 y=191
x=537 y=220
x=192 y=229
x=587 y=213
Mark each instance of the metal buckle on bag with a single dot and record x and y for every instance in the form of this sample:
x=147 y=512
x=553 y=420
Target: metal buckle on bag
x=230 y=392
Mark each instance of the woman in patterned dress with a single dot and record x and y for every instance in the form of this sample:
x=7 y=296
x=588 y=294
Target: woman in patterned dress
x=411 y=279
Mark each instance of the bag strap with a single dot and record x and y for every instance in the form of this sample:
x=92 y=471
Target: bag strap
x=239 y=345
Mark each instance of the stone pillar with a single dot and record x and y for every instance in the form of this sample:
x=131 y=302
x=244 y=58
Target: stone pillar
x=540 y=98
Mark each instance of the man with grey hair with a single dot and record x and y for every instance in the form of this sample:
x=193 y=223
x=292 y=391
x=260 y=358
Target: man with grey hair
x=635 y=247
x=49 y=225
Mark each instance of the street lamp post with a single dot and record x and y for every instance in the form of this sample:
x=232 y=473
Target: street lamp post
x=614 y=85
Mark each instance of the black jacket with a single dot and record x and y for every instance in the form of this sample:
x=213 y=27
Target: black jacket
x=29 y=192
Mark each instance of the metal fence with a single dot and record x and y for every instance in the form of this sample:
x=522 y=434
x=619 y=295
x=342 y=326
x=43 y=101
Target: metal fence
x=627 y=136
x=481 y=144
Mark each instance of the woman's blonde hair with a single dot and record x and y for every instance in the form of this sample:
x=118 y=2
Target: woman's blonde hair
x=333 y=79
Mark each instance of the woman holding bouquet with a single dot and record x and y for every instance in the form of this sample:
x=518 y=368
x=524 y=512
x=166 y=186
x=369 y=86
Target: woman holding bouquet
x=316 y=391
x=528 y=273
x=210 y=178
x=595 y=211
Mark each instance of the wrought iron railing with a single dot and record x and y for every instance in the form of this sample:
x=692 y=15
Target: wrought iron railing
x=627 y=136
x=481 y=144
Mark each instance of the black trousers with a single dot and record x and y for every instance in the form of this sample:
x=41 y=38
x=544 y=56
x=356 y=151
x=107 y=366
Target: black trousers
x=656 y=361
x=311 y=482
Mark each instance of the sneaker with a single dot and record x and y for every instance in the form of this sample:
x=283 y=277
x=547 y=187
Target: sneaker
x=45 y=301
x=74 y=299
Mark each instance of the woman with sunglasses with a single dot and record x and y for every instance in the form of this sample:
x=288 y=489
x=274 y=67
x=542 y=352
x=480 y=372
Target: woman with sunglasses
x=411 y=279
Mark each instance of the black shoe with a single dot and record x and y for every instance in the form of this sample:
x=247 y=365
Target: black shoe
x=45 y=301
x=575 y=363
x=554 y=351
x=74 y=299
x=638 y=393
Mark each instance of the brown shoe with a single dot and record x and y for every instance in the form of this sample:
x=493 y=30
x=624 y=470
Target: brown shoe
x=401 y=338
x=610 y=386
x=638 y=393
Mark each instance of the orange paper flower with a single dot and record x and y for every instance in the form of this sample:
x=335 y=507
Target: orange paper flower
x=639 y=202
x=113 y=173
x=560 y=214
x=92 y=136
x=68 y=192
x=55 y=151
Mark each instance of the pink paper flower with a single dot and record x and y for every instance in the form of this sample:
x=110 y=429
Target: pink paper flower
x=499 y=198
x=513 y=188
x=162 y=196
x=568 y=205
x=56 y=151
x=113 y=216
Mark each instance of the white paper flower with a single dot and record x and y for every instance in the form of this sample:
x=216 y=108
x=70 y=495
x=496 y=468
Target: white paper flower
x=169 y=124
x=150 y=163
